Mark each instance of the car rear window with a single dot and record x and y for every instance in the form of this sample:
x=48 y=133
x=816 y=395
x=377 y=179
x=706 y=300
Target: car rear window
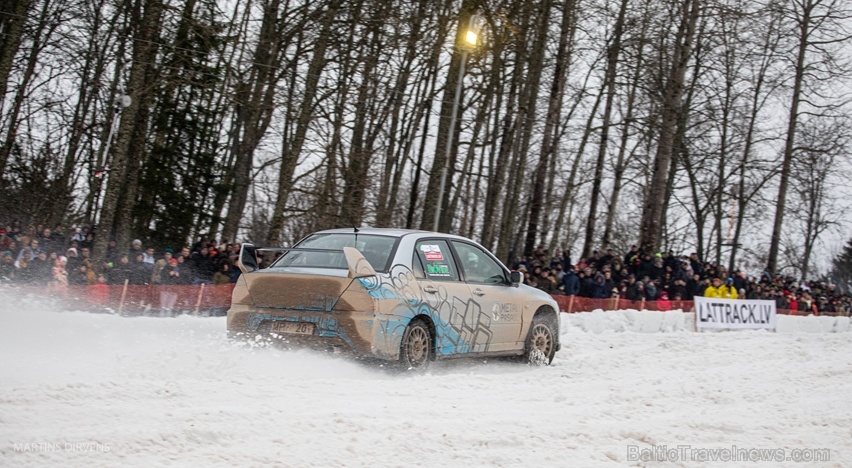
x=378 y=250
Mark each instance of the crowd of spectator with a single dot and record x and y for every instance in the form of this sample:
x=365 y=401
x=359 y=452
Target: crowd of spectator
x=39 y=255
x=664 y=277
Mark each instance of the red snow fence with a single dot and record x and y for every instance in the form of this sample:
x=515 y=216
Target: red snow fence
x=200 y=299
x=573 y=304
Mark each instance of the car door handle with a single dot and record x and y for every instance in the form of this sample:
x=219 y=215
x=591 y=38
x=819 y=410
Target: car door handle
x=430 y=289
x=479 y=292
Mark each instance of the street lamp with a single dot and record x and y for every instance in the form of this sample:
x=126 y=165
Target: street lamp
x=122 y=101
x=470 y=41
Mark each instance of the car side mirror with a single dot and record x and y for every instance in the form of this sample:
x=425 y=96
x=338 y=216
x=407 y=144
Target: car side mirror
x=517 y=277
x=247 y=262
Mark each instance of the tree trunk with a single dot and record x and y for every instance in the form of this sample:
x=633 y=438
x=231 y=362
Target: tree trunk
x=291 y=152
x=652 y=211
x=547 y=153
x=44 y=29
x=148 y=20
x=613 y=53
x=789 y=142
x=540 y=16
x=13 y=16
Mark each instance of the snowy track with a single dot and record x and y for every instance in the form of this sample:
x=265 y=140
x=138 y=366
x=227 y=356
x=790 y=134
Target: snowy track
x=92 y=390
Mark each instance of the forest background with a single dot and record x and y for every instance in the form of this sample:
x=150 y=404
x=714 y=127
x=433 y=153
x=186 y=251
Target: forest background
x=712 y=126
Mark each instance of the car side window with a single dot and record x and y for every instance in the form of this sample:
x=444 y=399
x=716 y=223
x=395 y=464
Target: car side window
x=478 y=266
x=436 y=258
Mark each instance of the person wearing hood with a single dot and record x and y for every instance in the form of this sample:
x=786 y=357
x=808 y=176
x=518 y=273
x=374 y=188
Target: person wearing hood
x=599 y=289
x=651 y=289
x=663 y=303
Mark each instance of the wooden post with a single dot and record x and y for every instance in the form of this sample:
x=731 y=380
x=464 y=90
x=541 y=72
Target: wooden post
x=198 y=301
x=123 y=295
x=571 y=304
x=642 y=304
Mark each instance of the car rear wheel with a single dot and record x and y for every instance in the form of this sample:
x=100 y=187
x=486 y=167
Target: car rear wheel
x=416 y=347
x=541 y=342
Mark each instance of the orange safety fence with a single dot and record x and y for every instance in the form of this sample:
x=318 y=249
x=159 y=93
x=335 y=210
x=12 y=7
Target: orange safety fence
x=211 y=299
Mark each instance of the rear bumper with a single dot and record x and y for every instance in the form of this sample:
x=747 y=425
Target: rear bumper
x=346 y=332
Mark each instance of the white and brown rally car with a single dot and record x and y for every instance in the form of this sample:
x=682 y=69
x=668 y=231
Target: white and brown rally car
x=396 y=295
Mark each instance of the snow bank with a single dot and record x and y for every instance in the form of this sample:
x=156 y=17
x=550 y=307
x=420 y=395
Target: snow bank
x=647 y=321
x=644 y=321
x=812 y=324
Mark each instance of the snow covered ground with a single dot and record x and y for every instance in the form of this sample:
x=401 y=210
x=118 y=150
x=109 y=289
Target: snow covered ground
x=85 y=389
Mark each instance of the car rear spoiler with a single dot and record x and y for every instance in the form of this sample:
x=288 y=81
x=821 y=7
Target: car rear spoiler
x=359 y=266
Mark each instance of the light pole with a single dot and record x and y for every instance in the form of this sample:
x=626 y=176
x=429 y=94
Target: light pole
x=470 y=41
x=122 y=101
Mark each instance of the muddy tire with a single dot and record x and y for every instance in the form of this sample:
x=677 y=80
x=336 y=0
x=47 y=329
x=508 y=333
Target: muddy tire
x=540 y=346
x=415 y=350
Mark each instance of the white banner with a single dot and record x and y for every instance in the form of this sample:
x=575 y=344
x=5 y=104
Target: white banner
x=711 y=312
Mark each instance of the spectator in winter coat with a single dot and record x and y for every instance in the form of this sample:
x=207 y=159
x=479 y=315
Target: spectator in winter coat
x=120 y=271
x=42 y=269
x=807 y=305
x=631 y=257
x=223 y=276
x=824 y=306
x=148 y=256
x=587 y=282
x=696 y=264
x=635 y=290
x=663 y=302
x=718 y=290
x=571 y=283
x=740 y=282
x=713 y=289
x=646 y=267
x=651 y=291
x=32 y=249
x=50 y=242
x=203 y=266
x=79 y=276
x=599 y=289
x=609 y=282
x=185 y=271
x=678 y=288
x=7 y=268
x=657 y=269
x=159 y=266
x=142 y=271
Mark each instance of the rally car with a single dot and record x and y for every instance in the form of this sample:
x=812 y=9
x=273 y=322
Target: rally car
x=398 y=295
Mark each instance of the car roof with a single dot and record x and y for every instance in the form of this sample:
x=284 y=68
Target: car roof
x=393 y=232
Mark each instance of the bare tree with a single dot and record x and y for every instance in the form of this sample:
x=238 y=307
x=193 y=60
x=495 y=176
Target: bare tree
x=147 y=16
x=823 y=148
x=651 y=228
x=819 y=27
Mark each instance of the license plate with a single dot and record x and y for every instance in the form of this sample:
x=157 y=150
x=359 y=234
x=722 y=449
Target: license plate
x=297 y=328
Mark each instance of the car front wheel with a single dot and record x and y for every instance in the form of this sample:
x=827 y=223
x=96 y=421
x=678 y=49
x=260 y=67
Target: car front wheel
x=541 y=342
x=416 y=347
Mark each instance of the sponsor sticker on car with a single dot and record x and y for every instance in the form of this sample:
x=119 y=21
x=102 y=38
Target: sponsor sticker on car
x=432 y=252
